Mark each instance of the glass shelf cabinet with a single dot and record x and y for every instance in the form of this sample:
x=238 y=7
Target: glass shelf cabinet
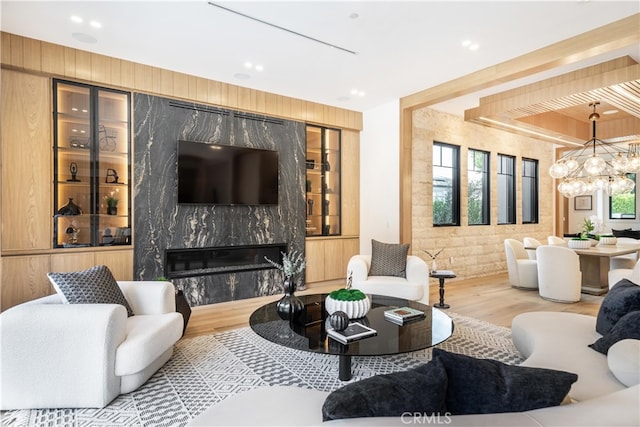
x=323 y=182
x=92 y=166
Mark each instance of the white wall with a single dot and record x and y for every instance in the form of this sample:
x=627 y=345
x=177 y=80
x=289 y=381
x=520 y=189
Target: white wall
x=380 y=176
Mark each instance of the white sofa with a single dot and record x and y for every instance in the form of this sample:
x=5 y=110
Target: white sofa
x=632 y=274
x=414 y=287
x=56 y=355
x=550 y=340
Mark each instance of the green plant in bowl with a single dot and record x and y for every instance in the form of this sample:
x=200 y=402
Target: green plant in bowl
x=347 y=295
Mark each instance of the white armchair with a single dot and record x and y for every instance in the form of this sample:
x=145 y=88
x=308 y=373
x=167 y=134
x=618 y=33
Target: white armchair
x=555 y=240
x=414 y=287
x=559 y=275
x=523 y=272
x=632 y=274
x=531 y=245
x=56 y=355
x=627 y=261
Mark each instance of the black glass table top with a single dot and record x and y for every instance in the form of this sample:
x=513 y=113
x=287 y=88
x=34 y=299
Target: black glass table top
x=308 y=331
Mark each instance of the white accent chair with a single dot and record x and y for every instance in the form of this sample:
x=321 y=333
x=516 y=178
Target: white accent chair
x=56 y=355
x=523 y=272
x=414 y=287
x=555 y=240
x=632 y=274
x=530 y=242
x=625 y=261
x=559 y=275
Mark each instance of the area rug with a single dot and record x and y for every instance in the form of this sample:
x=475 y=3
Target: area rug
x=206 y=370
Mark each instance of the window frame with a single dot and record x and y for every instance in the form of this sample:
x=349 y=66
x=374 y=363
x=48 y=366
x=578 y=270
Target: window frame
x=486 y=185
x=455 y=182
x=511 y=195
x=535 y=197
x=633 y=176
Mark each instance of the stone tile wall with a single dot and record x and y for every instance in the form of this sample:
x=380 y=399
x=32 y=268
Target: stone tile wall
x=477 y=250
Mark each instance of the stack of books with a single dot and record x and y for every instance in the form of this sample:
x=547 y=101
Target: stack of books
x=402 y=315
x=355 y=331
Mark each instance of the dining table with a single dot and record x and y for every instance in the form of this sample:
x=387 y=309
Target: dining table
x=595 y=265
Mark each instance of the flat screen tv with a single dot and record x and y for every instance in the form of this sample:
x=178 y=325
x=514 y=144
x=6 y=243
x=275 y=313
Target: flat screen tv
x=215 y=174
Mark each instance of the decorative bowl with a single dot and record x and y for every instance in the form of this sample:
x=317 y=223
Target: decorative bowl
x=579 y=244
x=354 y=309
x=608 y=240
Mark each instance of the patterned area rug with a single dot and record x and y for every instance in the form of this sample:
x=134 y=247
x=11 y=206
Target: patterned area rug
x=207 y=369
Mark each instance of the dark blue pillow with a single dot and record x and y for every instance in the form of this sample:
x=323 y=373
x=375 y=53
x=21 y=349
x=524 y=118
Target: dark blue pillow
x=627 y=327
x=484 y=386
x=421 y=390
x=622 y=298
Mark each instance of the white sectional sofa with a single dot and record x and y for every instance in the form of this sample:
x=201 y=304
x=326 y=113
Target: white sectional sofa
x=547 y=339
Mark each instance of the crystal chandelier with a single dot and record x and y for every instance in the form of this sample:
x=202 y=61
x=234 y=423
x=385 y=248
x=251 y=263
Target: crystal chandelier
x=596 y=166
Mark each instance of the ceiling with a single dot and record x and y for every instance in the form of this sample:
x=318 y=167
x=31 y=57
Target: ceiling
x=350 y=54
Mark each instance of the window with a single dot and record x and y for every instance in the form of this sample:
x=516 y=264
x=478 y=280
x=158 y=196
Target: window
x=529 y=191
x=506 y=189
x=623 y=206
x=478 y=187
x=446 y=184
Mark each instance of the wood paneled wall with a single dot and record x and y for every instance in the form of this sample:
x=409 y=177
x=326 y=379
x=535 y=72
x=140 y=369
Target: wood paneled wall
x=51 y=59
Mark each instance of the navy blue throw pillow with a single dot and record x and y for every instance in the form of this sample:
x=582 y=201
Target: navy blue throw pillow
x=420 y=390
x=627 y=327
x=483 y=386
x=622 y=298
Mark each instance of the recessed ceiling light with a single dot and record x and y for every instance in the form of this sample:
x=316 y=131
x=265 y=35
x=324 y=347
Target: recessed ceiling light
x=471 y=45
x=259 y=68
x=357 y=92
x=76 y=19
x=466 y=43
x=84 y=38
x=95 y=24
x=248 y=64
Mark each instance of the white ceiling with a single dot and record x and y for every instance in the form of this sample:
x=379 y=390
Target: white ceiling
x=402 y=46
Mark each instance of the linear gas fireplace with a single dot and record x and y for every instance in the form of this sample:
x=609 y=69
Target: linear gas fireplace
x=180 y=263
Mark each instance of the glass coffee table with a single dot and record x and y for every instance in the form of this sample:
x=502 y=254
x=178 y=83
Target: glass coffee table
x=308 y=331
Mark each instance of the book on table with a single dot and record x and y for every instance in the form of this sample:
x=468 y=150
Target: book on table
x=443 y=273
x=403 y=314
x=355 y=331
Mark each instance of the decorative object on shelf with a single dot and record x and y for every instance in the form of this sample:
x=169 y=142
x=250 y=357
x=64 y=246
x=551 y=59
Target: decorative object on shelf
x=311 y=164
x=72 y=234
x=108 y=138
x=294 y=263
x=112 y=177
x=605 y=169
x=354 y=302
x=70 y=209
x=434 y=264
x=310 y=207
x=73 y=169
x=112 y=203
x=325 y=162
x=326 y=229
x=107 y=238
x=339 y=320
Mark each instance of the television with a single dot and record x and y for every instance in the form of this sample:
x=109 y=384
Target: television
x=216 y=174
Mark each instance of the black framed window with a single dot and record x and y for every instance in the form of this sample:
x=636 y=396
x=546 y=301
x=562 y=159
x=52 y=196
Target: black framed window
x=506 y=189
x=623 y=206
x=478 y=187
x=446 y=184
x=529 y=191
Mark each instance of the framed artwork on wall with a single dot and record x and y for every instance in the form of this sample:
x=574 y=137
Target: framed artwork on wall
x=582 y=203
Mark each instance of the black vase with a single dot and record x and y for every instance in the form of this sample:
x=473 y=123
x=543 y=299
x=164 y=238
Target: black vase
x=289 y=306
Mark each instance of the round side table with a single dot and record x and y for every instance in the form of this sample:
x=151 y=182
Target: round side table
x=441 y=275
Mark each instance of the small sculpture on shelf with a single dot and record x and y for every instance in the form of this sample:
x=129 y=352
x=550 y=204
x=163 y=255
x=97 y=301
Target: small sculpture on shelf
x=73 y=169
x=72 y=234
x=112 y=177
x=310 y=208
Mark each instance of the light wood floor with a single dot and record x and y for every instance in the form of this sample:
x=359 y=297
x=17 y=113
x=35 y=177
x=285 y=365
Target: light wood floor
x=488 y=298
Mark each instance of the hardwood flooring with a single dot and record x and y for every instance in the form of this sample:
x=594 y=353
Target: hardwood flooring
x=489 y=298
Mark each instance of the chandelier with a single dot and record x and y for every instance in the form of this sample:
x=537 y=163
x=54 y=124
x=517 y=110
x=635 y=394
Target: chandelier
x=596 y=166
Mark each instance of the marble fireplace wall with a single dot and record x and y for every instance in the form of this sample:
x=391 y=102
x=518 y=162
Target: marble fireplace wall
x=160 y=223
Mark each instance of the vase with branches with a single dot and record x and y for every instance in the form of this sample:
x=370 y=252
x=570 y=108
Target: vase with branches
x=434 y=264
x=293 y=264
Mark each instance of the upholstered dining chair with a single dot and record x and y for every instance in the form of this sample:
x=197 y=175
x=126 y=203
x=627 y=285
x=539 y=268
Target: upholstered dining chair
x=531 y=245
x=559 y=275
x=523 y=272
x=556 y=241
x=627 y=261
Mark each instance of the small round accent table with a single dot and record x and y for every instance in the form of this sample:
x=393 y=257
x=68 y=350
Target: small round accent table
x=441 y=275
